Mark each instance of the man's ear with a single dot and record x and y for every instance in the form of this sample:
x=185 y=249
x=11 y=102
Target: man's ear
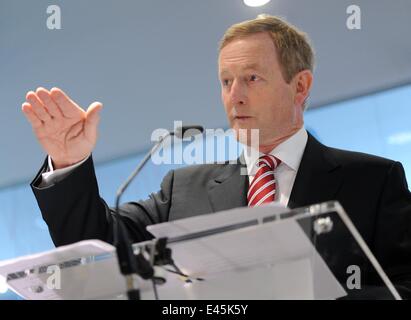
x=302 y=84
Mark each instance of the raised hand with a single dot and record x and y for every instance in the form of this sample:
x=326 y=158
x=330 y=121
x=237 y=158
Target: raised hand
x=65 y=131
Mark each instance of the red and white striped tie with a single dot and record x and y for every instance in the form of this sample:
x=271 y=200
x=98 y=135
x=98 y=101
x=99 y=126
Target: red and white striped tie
x=263 y=187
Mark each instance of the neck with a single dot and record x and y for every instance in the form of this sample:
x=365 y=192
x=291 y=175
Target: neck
x=273 y=143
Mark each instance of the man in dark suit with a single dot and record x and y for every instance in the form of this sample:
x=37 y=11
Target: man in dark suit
x=265 y=69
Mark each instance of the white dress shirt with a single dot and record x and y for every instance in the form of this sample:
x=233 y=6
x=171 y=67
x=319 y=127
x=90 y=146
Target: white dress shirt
x=290 y=153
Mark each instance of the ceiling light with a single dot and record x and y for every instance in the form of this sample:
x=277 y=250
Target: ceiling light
x=256 y=3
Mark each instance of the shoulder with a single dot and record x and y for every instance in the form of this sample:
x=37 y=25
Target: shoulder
x=340 y=157
x=363 y=167
x=360 y=160
x=351 y=160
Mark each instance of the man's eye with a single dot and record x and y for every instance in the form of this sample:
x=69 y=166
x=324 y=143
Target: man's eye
x=253 y=77
x=226 y=82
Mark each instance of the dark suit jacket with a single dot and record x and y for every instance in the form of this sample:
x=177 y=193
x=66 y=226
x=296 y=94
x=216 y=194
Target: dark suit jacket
x=372 y=190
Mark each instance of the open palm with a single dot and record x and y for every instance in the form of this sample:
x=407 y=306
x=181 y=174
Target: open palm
x=65 y=131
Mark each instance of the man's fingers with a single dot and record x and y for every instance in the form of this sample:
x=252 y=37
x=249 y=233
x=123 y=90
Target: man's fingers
x=68 y=107
x=37 y=107
x=48 y=102
x=31 y=116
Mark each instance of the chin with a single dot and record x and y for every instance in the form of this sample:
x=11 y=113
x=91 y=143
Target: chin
x=246 y=134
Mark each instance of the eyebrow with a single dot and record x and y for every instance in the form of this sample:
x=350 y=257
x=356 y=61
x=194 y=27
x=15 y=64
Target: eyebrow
x=253 y=66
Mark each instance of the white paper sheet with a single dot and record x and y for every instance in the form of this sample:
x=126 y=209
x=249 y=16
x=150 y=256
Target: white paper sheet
x=81 y=276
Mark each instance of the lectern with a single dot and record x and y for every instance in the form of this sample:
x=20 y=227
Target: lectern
x=266 y=252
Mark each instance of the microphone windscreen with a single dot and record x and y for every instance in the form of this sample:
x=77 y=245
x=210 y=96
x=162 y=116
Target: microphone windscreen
x=188 y=131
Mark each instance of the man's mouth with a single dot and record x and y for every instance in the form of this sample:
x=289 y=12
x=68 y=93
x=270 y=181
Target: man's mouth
x=242 y=117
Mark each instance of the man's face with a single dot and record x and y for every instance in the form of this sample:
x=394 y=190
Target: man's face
x=254 y=92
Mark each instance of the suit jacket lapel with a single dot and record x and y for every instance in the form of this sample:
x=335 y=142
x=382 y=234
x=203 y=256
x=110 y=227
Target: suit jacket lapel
x=229 y=188
x=318 y=178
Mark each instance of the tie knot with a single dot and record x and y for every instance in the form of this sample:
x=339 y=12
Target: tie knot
x=269 y=161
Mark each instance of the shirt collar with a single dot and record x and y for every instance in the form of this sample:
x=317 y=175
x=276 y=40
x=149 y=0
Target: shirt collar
x=289 y=152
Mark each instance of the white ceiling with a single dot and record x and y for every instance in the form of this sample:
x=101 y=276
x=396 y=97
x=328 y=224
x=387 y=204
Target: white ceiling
x=154 y=62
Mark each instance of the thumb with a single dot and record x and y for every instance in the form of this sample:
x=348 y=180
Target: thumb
x=93 y=113
x=92 y=120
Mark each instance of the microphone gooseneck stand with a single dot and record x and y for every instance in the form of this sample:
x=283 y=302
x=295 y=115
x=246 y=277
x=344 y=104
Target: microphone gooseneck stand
x=132 y=265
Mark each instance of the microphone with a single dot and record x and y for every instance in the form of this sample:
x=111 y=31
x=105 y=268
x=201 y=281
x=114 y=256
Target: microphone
x=129 y=264
x=188 y=131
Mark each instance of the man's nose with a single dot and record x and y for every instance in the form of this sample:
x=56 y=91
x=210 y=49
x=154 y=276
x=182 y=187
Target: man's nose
x=238 y=93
